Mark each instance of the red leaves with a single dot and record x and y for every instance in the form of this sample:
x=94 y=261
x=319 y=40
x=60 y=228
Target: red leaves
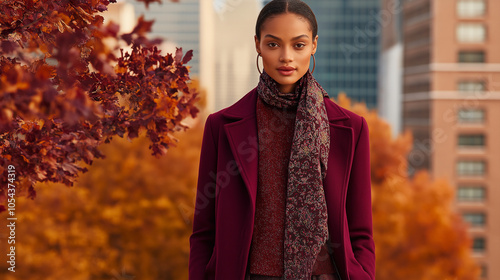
x=7 y=47
x=142 y=27
x=63 y=92
x=187 y=57
x=162 y=96
x=138 y=34
x=178 y=55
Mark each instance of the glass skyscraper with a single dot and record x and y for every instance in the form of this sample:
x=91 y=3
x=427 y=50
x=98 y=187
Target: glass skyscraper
x=348 y=47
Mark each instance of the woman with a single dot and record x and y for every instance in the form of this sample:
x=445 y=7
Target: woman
x=284 y=179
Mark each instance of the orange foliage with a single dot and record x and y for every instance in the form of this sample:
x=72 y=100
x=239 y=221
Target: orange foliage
x=417 y=234
x=124 y=219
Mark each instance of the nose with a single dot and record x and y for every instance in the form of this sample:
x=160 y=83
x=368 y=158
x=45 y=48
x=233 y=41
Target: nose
x=286 y=55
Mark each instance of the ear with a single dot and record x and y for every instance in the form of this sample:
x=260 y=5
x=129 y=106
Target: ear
x=257 y=43
x=315 y=44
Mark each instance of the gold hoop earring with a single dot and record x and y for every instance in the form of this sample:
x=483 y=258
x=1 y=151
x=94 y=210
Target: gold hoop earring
x=258 y=69
x=314 y=63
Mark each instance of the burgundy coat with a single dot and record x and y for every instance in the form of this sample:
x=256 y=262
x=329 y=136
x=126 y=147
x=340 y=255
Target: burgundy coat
x=227 y=188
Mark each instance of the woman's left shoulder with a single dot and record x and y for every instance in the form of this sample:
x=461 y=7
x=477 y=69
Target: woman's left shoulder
x=336 y=113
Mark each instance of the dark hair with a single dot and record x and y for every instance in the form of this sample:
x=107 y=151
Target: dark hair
x=278 y=7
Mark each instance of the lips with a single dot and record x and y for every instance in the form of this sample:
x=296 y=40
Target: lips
x=286 y=70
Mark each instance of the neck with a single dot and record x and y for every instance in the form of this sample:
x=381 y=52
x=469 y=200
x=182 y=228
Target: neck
x=287 y=88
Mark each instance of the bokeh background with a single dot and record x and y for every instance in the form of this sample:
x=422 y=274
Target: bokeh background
x=424 y=73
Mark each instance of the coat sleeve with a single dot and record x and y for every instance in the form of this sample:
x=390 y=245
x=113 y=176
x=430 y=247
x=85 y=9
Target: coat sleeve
x=202 y=239
x=359 y=206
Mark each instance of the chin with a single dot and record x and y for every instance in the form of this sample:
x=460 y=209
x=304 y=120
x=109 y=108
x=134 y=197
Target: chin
x=286 y=80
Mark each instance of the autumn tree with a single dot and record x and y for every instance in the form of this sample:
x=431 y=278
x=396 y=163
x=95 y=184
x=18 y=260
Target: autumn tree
x=64 y=92
x=121 y=220
x=417 y=234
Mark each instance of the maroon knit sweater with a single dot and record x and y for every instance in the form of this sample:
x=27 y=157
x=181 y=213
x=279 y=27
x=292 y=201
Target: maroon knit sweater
x=275 y=133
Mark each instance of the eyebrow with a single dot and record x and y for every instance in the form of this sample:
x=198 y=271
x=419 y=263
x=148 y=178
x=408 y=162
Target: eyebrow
x=294 y=38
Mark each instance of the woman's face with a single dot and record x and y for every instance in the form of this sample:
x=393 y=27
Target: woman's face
x=286 y=46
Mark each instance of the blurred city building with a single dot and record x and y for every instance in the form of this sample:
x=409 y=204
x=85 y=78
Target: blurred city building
x=220 y=33
x=451 y=103
x=121 y=13
x=227 y=50
x=347 y=59
x=354 y=58
x=390 y=67
x=348 y=48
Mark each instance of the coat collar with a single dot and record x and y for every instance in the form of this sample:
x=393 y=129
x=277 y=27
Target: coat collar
x=246 y=107
x=242 y=135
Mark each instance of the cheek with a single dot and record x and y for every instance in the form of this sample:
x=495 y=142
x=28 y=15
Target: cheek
x=268 y=58
x=304 y=62
x=306 y=59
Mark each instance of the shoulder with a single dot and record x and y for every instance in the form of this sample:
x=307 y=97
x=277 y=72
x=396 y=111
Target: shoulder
x=342 y=116
x=344 y=119
x=243 y=108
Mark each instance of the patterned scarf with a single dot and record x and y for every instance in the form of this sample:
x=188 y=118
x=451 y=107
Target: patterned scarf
x=306 y=228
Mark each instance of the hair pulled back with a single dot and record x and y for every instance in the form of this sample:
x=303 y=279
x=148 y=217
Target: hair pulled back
x=278 y=7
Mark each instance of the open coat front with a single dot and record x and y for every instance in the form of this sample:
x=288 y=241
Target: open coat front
x=227 y=190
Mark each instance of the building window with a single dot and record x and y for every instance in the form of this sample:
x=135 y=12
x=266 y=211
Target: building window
x=471 y=193
x=475 y=219
x=471 y=115
x=471 y=140
x=471 y=56
x=471 y=168
x=471 y=86
x=471 y=8
x=471 y=33
x=479 y=244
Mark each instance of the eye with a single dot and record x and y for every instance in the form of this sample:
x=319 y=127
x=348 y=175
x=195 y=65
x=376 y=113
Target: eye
x=300 y=45
x=272 y=45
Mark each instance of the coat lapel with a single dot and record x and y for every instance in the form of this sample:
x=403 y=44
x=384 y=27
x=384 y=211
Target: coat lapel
x=341 y=140
x=242 y=136
x=341 y=146
x=340 y=161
